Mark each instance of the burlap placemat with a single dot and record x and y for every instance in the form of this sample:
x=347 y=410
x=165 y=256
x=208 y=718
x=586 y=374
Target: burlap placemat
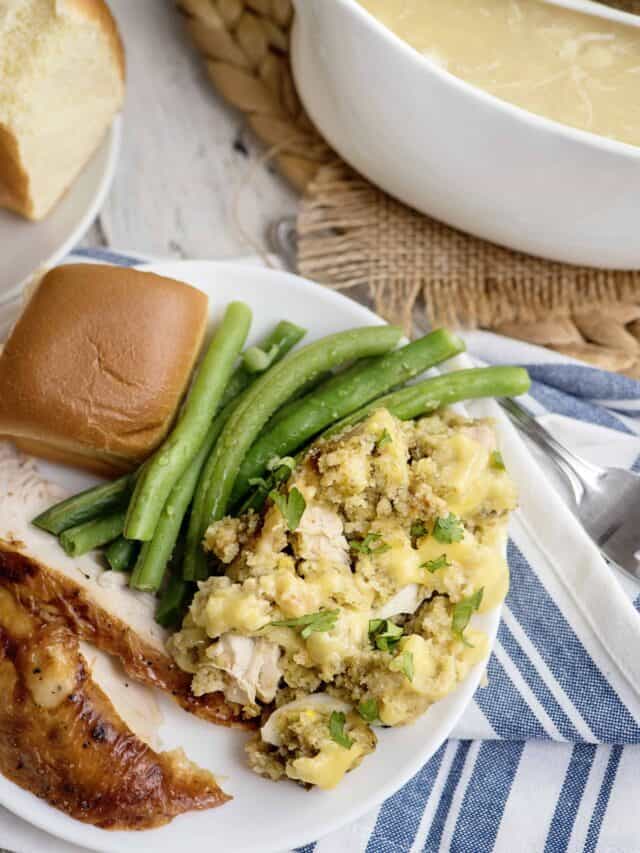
x=352 y=235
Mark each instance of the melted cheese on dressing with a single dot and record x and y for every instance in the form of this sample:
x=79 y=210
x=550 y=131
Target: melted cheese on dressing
x=568 y=66
x=366 y=539
x=458 y=469
x=326 y=768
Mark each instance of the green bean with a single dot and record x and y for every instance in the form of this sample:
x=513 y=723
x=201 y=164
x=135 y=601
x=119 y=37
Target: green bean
x=173 y=457
x=269 y=392
x=416 y=400
x=340 y=396
x=298 y=400
x=156 y=553
x=314 y=382
x=86 y=505
x=439 y=391
x=78 y=540
x=257 y=360
x=172 y=602
x=194 y=565
x=285 y=336
x=121 y=554
x=282 y=339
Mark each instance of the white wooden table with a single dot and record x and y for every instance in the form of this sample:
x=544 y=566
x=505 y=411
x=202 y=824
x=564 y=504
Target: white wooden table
x=181 y=189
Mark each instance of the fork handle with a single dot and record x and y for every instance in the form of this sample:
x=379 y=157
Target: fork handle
x=576 y=470
x=282 y=239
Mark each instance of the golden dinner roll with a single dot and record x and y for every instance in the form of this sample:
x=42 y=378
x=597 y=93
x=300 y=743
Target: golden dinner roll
x=61 y=83
x=95 y=369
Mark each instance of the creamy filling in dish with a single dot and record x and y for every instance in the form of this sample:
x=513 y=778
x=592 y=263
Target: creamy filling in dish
x=563 y=64
x=346 y=603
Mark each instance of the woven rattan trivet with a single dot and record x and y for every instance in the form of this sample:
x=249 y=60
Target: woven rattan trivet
x=350 y=234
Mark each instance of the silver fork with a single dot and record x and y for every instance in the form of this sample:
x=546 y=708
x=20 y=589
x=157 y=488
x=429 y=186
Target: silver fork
x=605 y=500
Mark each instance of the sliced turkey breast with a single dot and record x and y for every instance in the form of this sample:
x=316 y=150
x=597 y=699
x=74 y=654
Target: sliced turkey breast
x=251 y=666
x=135 y=703
x=320 y=536
x=95 y=603
x=62 y=738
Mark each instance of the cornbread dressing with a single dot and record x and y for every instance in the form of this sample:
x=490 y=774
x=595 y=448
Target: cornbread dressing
x=366 y=601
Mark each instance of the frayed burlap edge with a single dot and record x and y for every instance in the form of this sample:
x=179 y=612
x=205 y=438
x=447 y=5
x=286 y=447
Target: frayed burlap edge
x=351 y=234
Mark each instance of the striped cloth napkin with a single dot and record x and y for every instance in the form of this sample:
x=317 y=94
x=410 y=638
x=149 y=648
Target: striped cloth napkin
x=544 y=758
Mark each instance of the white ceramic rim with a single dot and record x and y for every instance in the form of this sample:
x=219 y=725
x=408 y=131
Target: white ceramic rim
x=113 y=139
x=49 y=819
x=556 y=127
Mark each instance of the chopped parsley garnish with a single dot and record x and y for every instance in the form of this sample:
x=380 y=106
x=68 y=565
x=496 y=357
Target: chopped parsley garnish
x=404 y=663
x=448 y=530
x=384 y=634
x=368 y=544
x=280 y=468
x=368 y=710
x=462 y=613
x=311 y=623
x=418 y=529
x=496 y=461
x=385 y=438
x=336 y=729
x=440 y=562
x=280 y=475
x=291 y=506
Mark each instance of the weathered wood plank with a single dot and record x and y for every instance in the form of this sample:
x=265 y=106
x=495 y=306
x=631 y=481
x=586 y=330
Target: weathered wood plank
x=185 y=156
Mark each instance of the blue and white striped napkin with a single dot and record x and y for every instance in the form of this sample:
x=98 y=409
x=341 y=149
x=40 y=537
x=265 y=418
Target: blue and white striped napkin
x=545 y=757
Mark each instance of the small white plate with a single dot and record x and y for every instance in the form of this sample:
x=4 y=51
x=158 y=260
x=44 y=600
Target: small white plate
x=263 y=816
x=29 y=246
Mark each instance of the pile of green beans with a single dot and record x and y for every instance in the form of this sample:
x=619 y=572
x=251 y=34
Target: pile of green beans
x=171 y=606
x=418 y=400
x=296 y=373
x=338 y=397
x=272 y=390
x=155 y=554
x=236 y=422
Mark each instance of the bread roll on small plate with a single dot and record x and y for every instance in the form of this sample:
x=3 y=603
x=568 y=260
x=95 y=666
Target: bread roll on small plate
x=56 y=150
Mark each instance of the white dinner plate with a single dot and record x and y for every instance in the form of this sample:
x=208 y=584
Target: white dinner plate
x=263 y=816
x=29 y=246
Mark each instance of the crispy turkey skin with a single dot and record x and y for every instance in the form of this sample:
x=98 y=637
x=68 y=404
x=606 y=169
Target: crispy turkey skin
x=62 y=739
x=81 y=594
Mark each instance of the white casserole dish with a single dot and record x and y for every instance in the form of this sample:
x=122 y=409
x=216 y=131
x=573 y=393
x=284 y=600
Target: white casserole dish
x=459 y=154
